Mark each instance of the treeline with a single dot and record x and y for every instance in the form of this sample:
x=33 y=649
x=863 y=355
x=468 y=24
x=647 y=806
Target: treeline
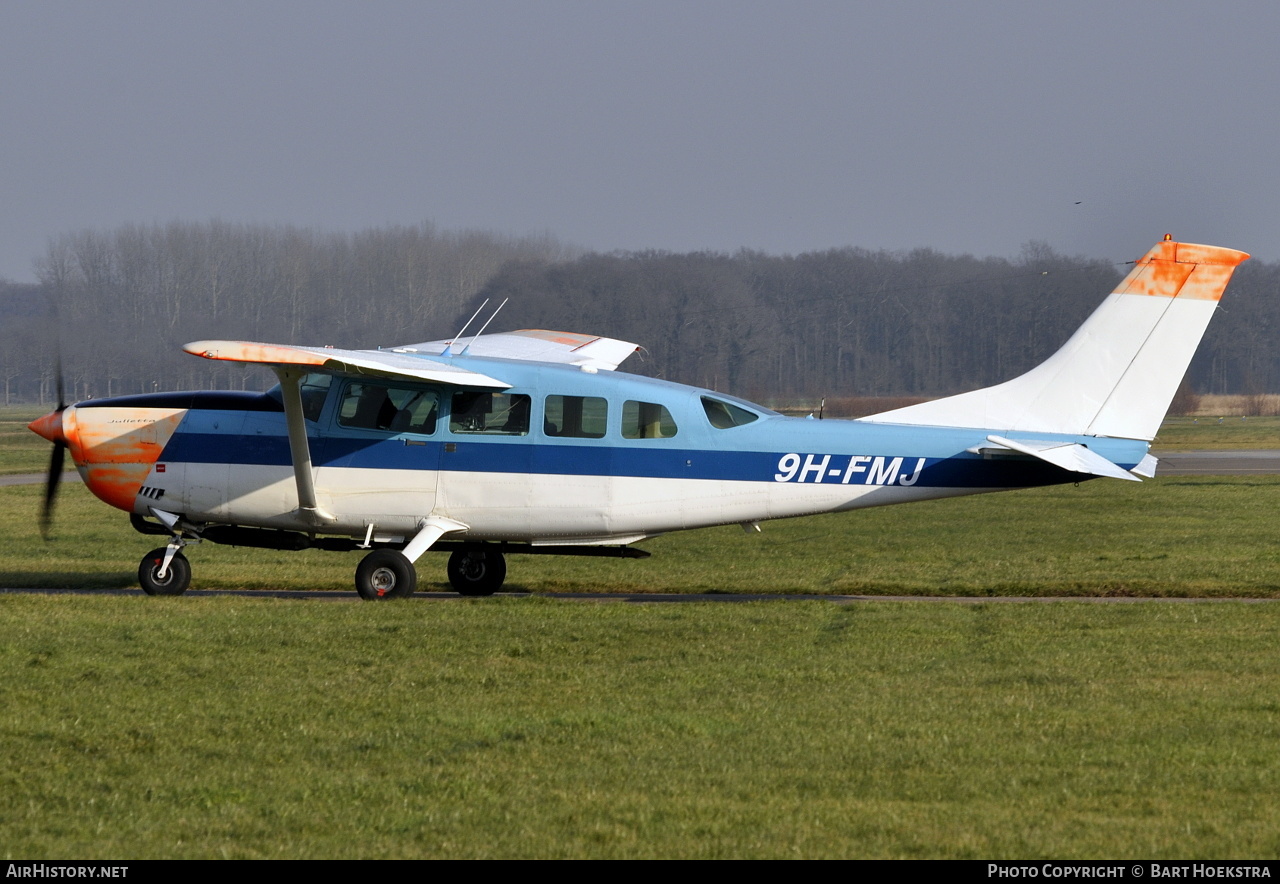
x=837 y=323
x=118 y=305
x=852 y=322
x=840 y=322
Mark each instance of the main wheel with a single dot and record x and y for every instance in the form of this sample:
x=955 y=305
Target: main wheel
x=385 y=574
x=475 y=572
x=176 y=579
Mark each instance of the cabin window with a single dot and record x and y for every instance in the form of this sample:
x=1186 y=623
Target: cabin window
x=314 y=389
x=577 y=417
x=502 y=414
x=393 y=409
x=725 y=415
x=647 y=420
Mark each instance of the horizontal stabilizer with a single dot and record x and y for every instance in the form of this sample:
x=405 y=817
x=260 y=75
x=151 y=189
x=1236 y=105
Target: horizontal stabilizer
x=1146 y=468
x=538 y=345
x=1070 y=456
x=361 y=363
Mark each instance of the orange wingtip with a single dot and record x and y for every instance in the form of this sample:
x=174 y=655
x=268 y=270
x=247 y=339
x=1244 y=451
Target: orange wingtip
x=251 y=351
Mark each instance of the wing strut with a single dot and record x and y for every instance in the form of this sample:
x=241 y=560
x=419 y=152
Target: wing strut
x=299 y=450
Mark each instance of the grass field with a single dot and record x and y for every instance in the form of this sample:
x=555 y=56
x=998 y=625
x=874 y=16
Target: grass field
x=522 y=727
x=231 y=727
x=1202 y=536
x=22 y=451
x=1208 y=432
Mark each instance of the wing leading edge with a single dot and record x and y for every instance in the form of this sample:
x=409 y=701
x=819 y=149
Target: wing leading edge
x=423 y=361
x=376 y=363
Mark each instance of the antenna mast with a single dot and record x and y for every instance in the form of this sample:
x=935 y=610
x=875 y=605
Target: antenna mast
x=483 y=327
x=449 y=345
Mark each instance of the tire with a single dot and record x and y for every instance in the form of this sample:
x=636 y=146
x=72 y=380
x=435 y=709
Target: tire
x=385 y=574
x=475 y=572
x=175 y=581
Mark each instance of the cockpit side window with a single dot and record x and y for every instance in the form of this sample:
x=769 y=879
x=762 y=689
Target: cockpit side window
x=647 y=420
x=578 y=417
x=368 y=406
x=725 y=415
x=502 y=414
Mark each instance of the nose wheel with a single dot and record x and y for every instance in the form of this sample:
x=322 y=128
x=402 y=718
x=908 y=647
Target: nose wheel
x=476 y=572
x=161 y=577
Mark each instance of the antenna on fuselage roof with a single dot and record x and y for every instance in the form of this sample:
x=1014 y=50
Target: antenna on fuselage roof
x=449 y=344
x=483 y=327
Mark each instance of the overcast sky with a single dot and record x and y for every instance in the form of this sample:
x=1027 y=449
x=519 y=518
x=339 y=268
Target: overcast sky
x=781 y=126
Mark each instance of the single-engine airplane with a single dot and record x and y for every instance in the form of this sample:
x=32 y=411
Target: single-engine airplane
x=530 y=442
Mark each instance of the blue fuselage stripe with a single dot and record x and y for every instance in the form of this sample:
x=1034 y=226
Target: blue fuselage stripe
x=661 y=461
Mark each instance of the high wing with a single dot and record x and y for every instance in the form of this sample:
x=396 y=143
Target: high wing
x=377 y=363
x=290 y=363
x=430 y=361
x=538 y=345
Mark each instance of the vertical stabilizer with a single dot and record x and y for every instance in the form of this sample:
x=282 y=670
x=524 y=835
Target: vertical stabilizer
x=1118 y=373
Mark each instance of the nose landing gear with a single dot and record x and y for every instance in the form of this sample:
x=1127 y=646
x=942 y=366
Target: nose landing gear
x=164 y=571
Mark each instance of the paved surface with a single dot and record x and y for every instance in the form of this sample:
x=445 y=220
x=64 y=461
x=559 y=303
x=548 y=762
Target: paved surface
x=1251 y=462
x=36 y=478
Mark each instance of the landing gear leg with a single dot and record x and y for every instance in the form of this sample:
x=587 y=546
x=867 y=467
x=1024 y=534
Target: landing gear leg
x=477 y=572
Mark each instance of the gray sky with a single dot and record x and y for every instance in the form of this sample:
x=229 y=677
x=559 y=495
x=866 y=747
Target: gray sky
x=781 y=126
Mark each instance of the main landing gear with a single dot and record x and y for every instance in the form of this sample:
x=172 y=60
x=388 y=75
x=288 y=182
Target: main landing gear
x=477 y=572
x=387 y=574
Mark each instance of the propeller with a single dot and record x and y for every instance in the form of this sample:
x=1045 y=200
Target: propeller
x=50 y=427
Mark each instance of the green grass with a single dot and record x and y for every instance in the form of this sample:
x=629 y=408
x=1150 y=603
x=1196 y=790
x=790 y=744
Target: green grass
x=529 y=727
x=1192 y=433
x=523 y=727
x=1201 y=536
x=22 y=451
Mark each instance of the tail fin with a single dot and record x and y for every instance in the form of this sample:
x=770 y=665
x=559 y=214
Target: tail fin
x=1118 y=373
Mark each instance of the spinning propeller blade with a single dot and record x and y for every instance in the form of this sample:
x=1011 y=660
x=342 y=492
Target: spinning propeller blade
x=50 y=427
x=51 y=487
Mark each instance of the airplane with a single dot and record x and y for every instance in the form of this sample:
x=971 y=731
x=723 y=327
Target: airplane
x=531 y=442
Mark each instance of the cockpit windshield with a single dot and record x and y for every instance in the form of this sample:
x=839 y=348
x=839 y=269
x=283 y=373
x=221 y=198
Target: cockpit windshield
x=314 y=388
